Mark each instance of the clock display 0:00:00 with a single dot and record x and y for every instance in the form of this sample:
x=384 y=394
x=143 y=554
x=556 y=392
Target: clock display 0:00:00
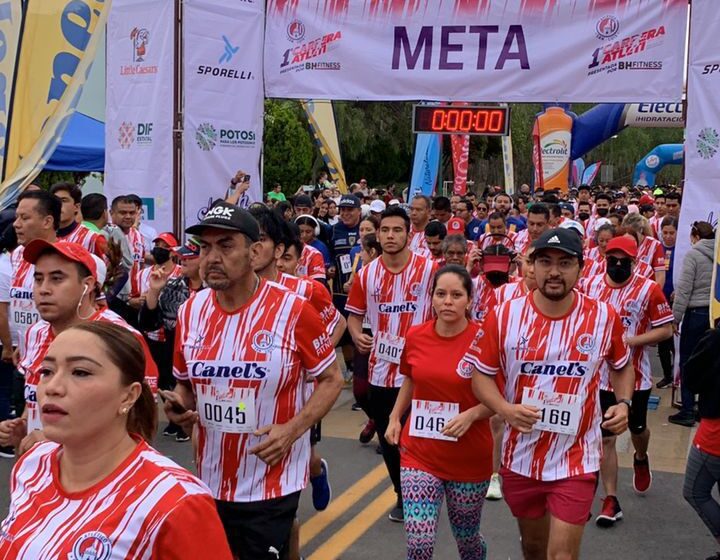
x=467 y=120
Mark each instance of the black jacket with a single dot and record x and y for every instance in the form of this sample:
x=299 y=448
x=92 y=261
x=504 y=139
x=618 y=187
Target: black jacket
x=702 y=374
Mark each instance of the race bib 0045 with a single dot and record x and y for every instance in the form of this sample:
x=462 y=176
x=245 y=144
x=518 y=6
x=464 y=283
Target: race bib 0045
x=227 y=409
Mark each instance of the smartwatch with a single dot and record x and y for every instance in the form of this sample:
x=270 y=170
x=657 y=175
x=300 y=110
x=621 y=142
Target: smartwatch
x=628 y=402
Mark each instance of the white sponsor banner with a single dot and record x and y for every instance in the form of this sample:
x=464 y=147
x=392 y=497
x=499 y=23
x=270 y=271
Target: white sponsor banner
x=701 y=196
x=139 y=106
x=223 y=90
x=653 y=115
x=496 y=50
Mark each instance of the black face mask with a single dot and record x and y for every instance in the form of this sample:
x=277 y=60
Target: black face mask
x=161 y=255
x=497 y=279
x=583 y=216
x=619 y=270
x=602 y=212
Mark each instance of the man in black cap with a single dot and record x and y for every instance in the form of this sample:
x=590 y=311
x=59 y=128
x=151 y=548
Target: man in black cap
x=550 y=348
x=245 y=350
x=345 y=235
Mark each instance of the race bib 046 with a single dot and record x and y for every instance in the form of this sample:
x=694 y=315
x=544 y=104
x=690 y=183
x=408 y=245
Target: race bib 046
x=560 y=412
x=429 y=418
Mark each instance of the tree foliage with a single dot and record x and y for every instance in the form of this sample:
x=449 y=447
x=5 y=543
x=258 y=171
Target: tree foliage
x=288 y=148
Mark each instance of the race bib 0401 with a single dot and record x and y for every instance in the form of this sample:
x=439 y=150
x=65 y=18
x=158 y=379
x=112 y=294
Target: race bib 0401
x=560 y=412
x=227 y=409
x=389 y=347
x=429 y=418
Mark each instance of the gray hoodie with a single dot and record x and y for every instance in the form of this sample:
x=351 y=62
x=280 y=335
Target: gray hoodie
x=693 y=287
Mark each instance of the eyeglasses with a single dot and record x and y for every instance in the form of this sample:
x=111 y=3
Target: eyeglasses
x=615 y=261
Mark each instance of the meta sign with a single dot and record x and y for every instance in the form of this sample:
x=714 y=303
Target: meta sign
x=472 y=119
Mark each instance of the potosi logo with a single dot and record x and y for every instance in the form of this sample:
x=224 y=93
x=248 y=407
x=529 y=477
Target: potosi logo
x=238 y=370
x=564 y=369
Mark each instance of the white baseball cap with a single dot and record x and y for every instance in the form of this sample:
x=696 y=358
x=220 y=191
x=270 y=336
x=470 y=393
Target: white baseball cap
x=377 y=206
x=576 y=226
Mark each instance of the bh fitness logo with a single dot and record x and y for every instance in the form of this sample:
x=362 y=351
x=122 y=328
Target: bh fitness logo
x=206 y=137
x=708 y=142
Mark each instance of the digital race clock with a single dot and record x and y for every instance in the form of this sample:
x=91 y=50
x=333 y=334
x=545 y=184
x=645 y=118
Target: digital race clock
x=471 y=119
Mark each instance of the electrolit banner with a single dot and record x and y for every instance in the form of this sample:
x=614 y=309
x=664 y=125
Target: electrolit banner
x=552 y=138
x=459 y=50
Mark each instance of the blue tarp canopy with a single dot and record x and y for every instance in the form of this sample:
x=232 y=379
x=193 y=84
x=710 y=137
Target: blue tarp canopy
x=82 y=147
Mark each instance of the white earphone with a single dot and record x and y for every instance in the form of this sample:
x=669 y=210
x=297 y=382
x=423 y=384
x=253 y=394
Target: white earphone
x=317 y=224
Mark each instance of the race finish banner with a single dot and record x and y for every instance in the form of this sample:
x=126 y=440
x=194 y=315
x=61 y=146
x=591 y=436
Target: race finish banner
x=139 y=108
x=56 y=50
x=701 y=197
x=223 y=90
x=496 y=50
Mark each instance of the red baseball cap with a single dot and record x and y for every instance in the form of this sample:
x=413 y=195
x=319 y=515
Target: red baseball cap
x=624 y=244
x=71 y=251
x=646 y=199
x=168 y=238
x=455 y=226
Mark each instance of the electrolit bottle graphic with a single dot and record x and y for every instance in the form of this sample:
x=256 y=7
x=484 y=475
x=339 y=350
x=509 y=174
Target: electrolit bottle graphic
x=552 y=137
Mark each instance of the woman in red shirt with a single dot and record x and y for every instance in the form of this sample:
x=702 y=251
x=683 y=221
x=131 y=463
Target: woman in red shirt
x=445 y=445
x=96 y=489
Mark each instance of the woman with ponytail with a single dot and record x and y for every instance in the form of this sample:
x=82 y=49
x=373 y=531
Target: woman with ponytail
x=108 y=491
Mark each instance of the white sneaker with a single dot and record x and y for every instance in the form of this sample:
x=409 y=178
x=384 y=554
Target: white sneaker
x=494 y=490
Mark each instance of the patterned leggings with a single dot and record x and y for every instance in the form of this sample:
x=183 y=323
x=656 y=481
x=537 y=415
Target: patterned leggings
x=422 y=501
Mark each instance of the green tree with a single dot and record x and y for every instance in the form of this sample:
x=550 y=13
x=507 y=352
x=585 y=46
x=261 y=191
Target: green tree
x=288 y=148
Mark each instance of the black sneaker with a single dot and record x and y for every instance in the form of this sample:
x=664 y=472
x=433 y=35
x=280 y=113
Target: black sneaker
x=7 y=452
x=181 y=436
x=397 y=515
x=663 y=383
x=171 y=430
x=714 y=557
x=356 y=406
x=682 y=419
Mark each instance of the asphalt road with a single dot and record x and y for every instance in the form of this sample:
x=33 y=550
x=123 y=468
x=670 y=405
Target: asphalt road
x=659 y=526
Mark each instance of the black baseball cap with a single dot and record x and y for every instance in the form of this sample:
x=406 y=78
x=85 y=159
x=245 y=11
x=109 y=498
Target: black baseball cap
x=349 y=201
x=224 y=215
x=303 y=200
x=564 y=240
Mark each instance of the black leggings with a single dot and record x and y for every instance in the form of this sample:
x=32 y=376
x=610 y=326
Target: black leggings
x=382 y=401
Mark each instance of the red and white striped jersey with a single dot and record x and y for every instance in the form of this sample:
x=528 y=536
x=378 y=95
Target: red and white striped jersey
x=525 y=349
x=93 y=242
x=316 y=294
x=511 y=290
x=37 y=341
x=22 y=311
x=651 y=252
x=593 y=253
x=655 y=222
x=311 y=263
x=522 y=242
x=391 y=304
x=140 y=284
x=418 y=244
x=264 y=349
x=137 y=246
x=642 y=306
x=483 y=299
x=141 y=511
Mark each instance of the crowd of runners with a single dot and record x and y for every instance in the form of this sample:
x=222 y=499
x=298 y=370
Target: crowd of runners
x=497 y=343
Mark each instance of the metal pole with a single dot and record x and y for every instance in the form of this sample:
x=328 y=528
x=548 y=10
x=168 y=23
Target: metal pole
x=178 y=177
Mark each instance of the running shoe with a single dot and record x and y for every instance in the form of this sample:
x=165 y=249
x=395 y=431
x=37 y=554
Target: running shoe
x=610 y=512
x=7 y=452
x=368 y=432
x=321 y=490
x=664 y=383
x=714 y=557
x=397 y=515
x=355 y=407
x=494 y=492
x=171 y=430
x=642 y=475
x=682 y=419
x=181 y=436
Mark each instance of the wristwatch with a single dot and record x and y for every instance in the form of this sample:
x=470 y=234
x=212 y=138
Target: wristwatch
x=628 y=402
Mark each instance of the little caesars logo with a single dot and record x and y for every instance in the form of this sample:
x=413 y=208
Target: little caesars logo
x=207 y=137
x=140 y=39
